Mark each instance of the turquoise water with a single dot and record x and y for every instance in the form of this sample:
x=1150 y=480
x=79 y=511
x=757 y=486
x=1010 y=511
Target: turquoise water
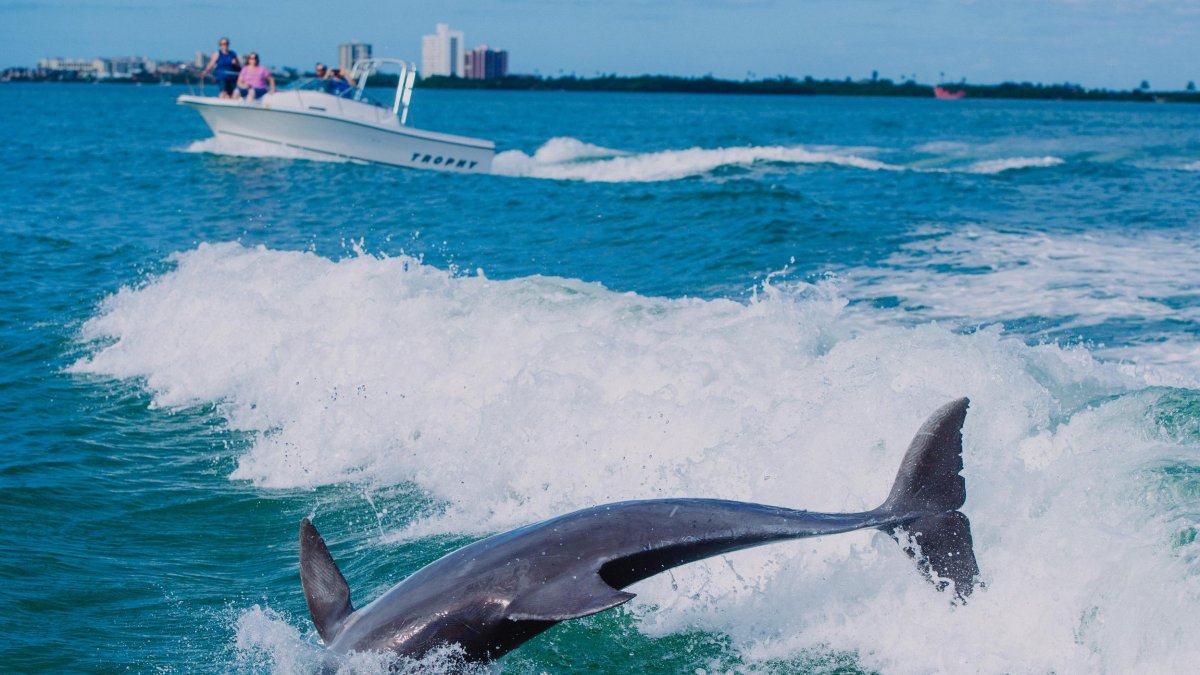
x=752 y=298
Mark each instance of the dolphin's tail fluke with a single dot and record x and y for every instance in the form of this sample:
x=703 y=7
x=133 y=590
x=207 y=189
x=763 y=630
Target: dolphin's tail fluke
x=943 y=549
x=926 y=497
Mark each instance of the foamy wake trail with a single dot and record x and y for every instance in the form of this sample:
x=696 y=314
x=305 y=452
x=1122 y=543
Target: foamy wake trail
x=516 y=400
x=245 y=147
x=571 y=159
x=991 y=166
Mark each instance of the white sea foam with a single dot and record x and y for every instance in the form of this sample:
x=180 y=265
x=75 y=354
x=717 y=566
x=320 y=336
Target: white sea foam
x=1191 y=166
x=982 y=275
x=511 y=401
x=247 y=147
x=988 y=158
x=571 y=159
x=267 y=642
x=561 y=150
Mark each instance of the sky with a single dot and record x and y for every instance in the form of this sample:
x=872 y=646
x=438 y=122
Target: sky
x=1096 y=43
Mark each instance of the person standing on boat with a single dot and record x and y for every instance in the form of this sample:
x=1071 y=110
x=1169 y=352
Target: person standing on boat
x=253 y=79
x=224 y=66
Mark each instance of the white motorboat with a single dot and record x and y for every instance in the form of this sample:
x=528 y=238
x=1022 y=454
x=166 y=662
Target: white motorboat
x=349 y=125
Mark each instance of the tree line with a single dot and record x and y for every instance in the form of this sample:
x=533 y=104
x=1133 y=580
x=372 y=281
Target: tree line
x=807 y=86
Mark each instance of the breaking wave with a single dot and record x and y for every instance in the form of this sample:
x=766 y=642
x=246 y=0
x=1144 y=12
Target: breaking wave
x=507 y=401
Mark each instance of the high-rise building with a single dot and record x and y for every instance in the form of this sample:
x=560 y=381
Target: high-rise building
x=483 y=63
x=442 y=53
x=351 y=52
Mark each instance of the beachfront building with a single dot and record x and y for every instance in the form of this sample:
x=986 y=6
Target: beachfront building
x=442 y=52
x=483 y=63
x=82 y=68
x=351 y=52
x=128 y=67
x=124 y=67
x=115 y=69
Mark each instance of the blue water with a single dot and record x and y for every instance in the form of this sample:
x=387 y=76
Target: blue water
x=751 y=298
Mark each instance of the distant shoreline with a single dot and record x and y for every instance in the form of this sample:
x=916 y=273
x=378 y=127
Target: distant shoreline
x=785 y=86
x=807 y=86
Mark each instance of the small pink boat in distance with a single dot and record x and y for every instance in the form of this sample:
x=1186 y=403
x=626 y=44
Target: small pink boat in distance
x=947 y=95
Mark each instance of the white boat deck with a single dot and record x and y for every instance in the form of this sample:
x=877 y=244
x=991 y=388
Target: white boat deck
x=348 y=125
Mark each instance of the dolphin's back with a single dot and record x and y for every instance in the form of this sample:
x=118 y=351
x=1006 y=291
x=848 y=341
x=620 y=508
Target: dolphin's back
x=638 y=539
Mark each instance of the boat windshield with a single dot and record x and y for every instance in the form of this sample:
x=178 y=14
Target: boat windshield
x=317 y=84
x=361 y=74
x=307 y=84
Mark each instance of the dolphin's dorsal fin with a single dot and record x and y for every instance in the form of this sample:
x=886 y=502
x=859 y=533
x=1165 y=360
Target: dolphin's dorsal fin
x=325 y=589
x=567 y=599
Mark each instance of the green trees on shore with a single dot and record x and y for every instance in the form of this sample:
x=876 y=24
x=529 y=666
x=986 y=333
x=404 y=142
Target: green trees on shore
x=801 y=87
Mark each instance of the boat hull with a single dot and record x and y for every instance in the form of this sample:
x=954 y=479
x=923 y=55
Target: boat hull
x=326 y=125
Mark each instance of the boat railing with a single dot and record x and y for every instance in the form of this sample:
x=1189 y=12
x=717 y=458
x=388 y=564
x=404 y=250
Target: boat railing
x=363 y=70
x=196 y=87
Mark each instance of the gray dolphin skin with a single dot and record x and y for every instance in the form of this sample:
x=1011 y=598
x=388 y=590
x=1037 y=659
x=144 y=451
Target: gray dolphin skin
x=493 y=595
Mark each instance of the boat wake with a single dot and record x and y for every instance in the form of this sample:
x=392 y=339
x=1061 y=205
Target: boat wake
x=993 y=166
x=1051 y=286
x=565 y=158
x=572 y=159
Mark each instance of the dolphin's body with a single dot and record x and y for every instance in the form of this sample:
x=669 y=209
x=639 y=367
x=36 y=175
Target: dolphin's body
x=494 y=594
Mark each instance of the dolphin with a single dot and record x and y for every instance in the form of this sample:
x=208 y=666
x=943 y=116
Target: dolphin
x=493 y=595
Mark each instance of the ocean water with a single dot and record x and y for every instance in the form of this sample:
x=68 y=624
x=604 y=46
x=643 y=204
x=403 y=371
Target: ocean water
x=754 y=298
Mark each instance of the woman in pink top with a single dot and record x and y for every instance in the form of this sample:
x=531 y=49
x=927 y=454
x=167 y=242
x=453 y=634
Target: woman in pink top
x=254 y=78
